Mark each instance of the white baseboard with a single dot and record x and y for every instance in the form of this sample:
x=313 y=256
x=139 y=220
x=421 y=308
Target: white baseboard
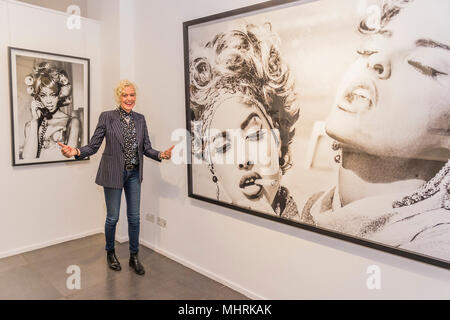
x=49 y=243
x=121 y=239
x=203 y=271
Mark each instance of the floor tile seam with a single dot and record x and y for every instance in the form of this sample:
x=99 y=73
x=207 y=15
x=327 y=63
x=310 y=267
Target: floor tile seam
x=64 y=294
x=31 y=260
x=41 y=278
x=91 y=288
x=14 y=266
x=111 y=277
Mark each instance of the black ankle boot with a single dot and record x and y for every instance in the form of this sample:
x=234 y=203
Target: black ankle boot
x=113 y=263
x=135 y=264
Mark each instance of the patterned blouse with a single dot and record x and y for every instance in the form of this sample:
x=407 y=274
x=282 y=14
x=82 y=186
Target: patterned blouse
x=129 y=138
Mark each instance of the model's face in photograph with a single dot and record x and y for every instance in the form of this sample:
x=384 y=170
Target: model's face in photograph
x=395 y=99
x=128 y=99
x=243 y=148
x=48 y=98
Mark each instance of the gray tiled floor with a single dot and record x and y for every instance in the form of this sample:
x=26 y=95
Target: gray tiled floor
x=41 y=274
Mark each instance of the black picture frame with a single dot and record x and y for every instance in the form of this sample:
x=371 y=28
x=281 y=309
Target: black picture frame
x=79 y=69
x=256 y=9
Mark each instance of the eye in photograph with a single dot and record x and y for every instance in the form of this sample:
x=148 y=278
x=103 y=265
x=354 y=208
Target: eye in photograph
x=426 y=70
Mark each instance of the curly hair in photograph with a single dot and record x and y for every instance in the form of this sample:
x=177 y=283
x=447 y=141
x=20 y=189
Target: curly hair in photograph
x=246 y=62
x=45 y=75
x=389 y=9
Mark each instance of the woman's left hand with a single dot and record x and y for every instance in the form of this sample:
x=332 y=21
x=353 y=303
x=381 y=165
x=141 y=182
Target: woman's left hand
x=166 y=155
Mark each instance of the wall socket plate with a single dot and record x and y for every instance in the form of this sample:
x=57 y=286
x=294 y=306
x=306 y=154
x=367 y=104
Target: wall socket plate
x=162 y=222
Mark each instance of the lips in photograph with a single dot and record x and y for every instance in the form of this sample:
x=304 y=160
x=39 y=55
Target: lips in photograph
x=357 y=97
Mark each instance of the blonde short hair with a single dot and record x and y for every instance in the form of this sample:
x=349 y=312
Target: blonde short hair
x=121 y=87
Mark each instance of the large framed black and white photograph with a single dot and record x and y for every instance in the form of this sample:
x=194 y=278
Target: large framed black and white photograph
x=332 y=116
x=49 y=105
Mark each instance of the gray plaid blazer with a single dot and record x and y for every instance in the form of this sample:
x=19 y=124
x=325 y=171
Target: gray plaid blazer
x=112 y=165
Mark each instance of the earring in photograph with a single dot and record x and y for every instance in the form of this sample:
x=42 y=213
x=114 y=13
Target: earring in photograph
x=281 y=161
x=215 y=180
x=336 y=147
x=337 y=158
x=276 y=205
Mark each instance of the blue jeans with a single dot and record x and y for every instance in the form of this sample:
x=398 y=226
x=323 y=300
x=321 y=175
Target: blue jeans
x=132 y=187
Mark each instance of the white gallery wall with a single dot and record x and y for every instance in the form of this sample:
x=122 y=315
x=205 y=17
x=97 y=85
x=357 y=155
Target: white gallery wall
x=258 y=257
x=45 y=204
x=61 y=5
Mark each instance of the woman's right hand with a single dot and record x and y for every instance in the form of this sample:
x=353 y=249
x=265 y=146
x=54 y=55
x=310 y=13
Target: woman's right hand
x=68 y=151
x=35 y=109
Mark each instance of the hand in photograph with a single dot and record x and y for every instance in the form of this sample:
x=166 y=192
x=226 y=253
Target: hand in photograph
x=36 y=109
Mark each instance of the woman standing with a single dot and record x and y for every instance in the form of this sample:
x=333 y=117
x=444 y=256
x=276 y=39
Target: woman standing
x=121 y=167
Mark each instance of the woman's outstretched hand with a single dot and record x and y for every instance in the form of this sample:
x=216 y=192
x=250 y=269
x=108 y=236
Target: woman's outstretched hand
x=67 y=151
x=166 y=155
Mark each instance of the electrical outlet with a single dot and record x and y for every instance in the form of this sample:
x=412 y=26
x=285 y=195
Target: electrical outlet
x=162 y=222
x=150 y=217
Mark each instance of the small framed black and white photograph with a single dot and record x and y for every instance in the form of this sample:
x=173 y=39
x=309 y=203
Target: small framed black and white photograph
x=49 y=105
